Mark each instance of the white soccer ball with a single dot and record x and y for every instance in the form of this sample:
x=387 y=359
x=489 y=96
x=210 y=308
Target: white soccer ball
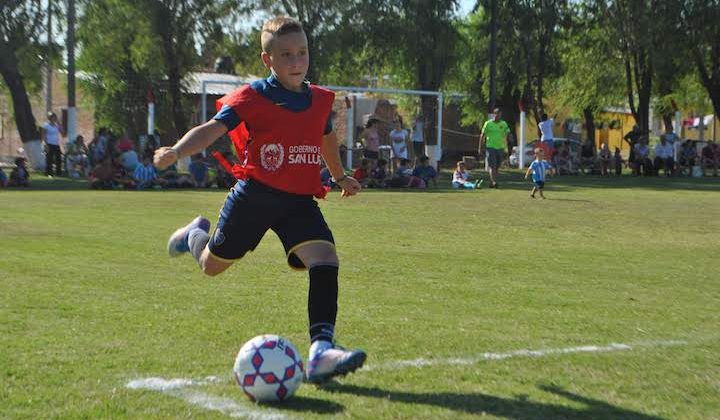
x=268 y=368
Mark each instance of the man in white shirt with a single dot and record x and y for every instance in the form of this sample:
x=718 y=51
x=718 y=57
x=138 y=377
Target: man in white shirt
x=547 y=137
x=664 y=157
x=418 y=141
x=52 y=131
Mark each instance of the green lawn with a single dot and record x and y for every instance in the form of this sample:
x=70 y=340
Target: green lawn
x=89 y=301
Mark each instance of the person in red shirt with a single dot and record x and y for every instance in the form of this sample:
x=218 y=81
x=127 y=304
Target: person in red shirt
x=362 y=173
x=281 y=129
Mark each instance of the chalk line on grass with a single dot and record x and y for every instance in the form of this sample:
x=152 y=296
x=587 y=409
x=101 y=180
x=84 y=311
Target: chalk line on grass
x=179 y=388
x=423 y=362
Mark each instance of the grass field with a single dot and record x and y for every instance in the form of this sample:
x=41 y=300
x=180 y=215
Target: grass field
x=464 y=280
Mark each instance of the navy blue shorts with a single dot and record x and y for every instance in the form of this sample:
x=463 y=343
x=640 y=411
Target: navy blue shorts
x=494 y=157
x=251 y=208
x=539 y=184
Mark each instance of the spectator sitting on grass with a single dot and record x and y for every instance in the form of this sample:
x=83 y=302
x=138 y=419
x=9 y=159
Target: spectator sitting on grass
x=618 y=161
x=326 y=177
x=642 y=158
x=461 y=178
x=19 y=177
x=404 y=178
x=688 y=156
x=170 y=178
x=128 y=157
x=708 y=158
x=3 y=179
x=378 y=175
x=604 y=158
x=664 y=157
x=199 y=172
x=76 y=156
x=587 y=157
x=145 y=175
x=362 y=173
x=563 y=162
x=102 y=176
x=425 y=172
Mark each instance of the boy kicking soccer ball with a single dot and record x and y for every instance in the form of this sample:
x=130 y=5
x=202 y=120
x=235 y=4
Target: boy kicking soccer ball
x=281 y=127
x=539 y=167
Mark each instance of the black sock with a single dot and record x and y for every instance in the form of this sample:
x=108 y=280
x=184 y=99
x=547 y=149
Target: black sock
x=197 y=239
x=322 y=302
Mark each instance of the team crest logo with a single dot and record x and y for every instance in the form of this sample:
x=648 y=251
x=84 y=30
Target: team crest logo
x=271 y=156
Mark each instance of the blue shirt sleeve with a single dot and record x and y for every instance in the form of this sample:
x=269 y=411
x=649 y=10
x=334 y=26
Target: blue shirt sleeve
x=228 y=117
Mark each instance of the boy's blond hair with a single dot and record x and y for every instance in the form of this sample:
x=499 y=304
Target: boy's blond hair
x=275 y=27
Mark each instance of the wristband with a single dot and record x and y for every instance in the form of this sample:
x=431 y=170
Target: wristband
x=342 y=178
x=177 y=153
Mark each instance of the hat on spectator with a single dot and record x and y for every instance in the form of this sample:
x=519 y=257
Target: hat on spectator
x=125 y=144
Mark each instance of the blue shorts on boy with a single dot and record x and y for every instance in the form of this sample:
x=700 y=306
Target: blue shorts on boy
x=251 y=209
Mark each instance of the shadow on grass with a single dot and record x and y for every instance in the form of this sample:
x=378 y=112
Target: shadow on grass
x=306 y=405
x=513 y=408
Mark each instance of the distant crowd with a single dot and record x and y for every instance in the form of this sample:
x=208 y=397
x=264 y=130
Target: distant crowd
x=117 y=162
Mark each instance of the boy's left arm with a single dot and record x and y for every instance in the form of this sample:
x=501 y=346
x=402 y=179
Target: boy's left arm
x=331 y=156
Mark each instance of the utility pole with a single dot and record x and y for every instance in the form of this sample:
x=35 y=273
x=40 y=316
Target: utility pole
x=72 y=117
x=493 y=53
x=48 y=65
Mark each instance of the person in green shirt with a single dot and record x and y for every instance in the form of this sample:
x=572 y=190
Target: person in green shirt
x=493 y=140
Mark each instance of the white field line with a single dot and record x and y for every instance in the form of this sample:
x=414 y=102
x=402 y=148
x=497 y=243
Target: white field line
x=178 y=388
x=423 y=362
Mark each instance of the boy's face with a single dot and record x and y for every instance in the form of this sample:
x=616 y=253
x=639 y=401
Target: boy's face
x=289 y=59
x=540 y=154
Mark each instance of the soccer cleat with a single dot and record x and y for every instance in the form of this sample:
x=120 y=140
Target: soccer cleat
x=478 y=183
x=178 y=244
x=328 y=360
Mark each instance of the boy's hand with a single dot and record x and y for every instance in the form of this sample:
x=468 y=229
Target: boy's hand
x=164 y=157
x=350 y=186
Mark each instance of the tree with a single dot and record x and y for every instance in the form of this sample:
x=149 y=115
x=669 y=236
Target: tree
x=20 y=26
x=322 y=21
x=177 y=24
x=671 y=58
x=145 y=44
x=586 y=86
x=120 y=65
x=418 y=39
x=537 y=25
x=700 y=21
x=632 y=21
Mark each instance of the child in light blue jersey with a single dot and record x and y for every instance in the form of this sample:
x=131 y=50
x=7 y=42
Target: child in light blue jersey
x=539 y=167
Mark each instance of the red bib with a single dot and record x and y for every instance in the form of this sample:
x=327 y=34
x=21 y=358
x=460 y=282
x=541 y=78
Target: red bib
x=280 y=148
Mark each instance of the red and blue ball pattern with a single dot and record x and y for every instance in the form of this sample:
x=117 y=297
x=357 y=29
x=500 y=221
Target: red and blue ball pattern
x=268 y=368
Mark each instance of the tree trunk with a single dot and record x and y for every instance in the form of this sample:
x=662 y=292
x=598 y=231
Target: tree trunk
x=24 y=118
x=644 y=89
x=429 y=111
x=668 y=122
x=176 y=98
x=710 y=82
x=590 y=124
x=629 y=87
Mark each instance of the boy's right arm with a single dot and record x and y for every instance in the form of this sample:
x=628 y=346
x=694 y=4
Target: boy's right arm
x=194 y=141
